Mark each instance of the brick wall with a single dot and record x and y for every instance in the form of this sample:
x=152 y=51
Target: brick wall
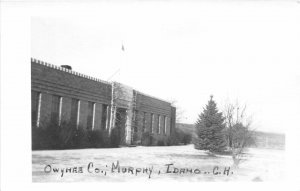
x=149 y=104
x=52 y=80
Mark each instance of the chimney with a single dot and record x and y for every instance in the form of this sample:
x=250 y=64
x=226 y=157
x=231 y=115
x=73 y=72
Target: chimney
x=66 y=66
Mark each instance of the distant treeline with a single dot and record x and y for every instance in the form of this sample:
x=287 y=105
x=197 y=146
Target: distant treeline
x=270 y=140
x=263 y=139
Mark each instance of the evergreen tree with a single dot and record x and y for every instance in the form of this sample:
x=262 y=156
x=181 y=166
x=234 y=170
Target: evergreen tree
x=210 y=129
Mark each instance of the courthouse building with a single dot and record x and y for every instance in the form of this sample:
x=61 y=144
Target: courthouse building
x=61 y=95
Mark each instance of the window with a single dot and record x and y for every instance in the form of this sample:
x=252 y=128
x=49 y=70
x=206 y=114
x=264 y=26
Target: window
x=158 y=124
x=144 y=121
x=39 y=110
x=74 y=112
x=78 y=115
x=104 y=120
x=165 y=125
x=34 y=107
x=134 y=121
x=162 y=124
x=55 y=110
x=36 y=98
x=90 y=115
x=94 y=110
x=152 y=122
x=60 y=110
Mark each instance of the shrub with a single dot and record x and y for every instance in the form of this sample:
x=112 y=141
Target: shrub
x=173 y=139
x=179 y=137
x=160 y=143
x=67 y=136
x=147 y=139
x=45 y=138
x=80 y=139
x=39 y=140
x=135 y=139
x=186 y=138
x=115 y=138
x=98 y=139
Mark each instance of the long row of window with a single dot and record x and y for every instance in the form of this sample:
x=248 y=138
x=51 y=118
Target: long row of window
x=57 y=104
x=161 y=125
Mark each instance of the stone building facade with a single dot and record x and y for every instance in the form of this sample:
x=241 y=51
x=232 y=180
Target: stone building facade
x=59 y=94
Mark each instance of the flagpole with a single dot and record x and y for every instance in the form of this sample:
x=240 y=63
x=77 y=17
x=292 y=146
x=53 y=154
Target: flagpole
x=113 y=107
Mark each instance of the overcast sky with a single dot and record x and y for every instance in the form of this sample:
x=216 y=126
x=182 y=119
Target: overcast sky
x=184 y=52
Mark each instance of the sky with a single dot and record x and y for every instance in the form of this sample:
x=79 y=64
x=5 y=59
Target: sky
x=184 y=52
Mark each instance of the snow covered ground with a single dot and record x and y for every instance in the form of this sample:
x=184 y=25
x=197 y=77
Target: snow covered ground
x=180 y=163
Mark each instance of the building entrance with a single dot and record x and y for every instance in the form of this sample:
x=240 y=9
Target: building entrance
x=120 y=125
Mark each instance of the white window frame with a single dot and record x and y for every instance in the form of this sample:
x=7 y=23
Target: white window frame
x=107 y=115
x=93 y=117
x=144 y=121
x=39 y=109
x=78 y=114
x=60 y=110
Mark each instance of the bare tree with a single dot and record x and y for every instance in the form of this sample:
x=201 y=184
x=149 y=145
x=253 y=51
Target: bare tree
x=239 y=130
x=179 y=112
